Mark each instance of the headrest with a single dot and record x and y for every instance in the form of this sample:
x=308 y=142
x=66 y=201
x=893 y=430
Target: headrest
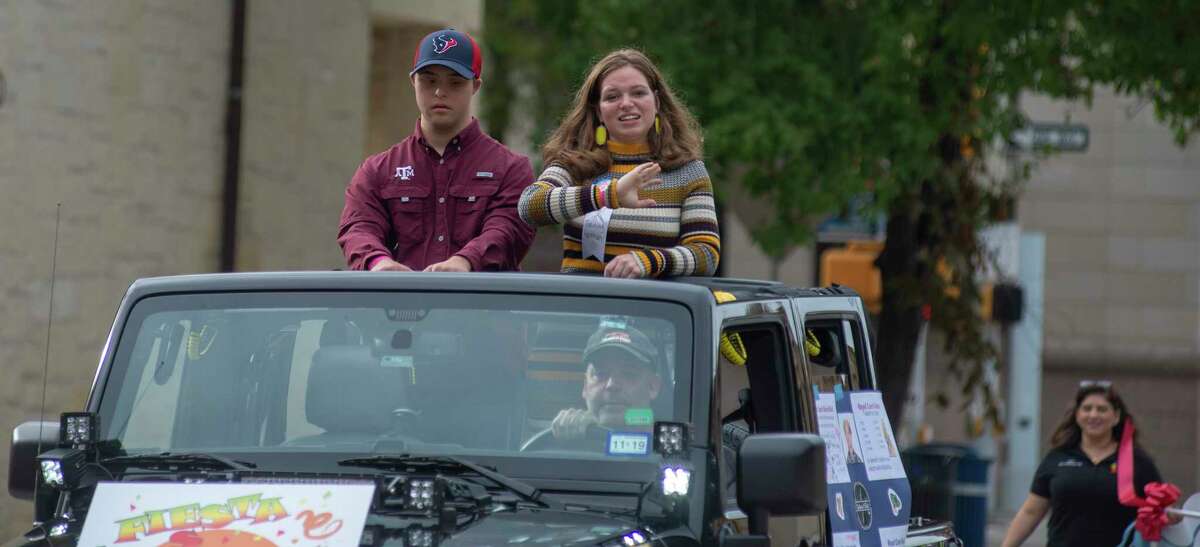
x=435 y=343
x=338 y=332
x=562 y=336
x=823 y=347
x=349 y=392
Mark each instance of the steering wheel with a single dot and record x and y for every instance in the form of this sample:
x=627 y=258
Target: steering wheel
x=401 y=427
x=545 y=440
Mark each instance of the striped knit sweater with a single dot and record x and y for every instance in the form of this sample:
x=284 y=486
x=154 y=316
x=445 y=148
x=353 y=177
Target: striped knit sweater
x=677 y=236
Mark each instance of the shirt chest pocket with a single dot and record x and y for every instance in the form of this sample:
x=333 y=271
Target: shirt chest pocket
x=471 y=203
x=406 y=207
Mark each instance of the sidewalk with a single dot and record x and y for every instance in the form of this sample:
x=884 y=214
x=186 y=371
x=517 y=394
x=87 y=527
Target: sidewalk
x=998 y=525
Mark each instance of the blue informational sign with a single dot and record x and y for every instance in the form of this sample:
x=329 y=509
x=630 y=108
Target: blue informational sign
x=868 y=492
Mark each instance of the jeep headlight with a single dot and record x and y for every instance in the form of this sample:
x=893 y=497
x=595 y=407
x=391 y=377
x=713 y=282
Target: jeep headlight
x=632 y=538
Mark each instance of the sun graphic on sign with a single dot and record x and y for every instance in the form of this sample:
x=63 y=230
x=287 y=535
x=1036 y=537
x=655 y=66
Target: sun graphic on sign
x=217 y=538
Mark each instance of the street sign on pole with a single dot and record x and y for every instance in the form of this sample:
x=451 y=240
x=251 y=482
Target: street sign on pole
x=1061 y=137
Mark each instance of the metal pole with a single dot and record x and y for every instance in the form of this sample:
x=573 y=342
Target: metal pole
x=1025 y=376
x=233 y=135
x=914 y=408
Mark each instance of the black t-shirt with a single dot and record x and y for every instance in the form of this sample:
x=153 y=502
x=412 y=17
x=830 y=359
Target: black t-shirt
x=1084 y=509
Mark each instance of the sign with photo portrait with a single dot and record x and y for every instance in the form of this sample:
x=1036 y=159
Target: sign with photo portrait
x=868 y=492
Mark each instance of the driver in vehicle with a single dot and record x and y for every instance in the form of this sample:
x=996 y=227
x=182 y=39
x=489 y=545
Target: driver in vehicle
x=622 y=378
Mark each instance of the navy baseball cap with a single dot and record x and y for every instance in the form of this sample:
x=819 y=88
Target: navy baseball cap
x=450 y=48
x=628 y=340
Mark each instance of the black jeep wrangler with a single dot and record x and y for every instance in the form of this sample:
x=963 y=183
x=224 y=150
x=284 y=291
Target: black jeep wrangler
x=463 y=381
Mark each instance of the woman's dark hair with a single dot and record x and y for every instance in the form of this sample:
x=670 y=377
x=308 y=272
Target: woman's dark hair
x=573 y=143
x=1068 y=434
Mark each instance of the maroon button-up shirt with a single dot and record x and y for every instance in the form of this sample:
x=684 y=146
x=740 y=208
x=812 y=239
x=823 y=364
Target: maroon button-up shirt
x=420 y=208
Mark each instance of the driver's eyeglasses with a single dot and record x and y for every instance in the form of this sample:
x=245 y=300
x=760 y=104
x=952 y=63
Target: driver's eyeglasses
x=1084 y=384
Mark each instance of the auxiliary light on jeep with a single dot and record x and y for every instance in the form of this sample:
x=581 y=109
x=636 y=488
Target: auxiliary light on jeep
x=375 y=535
x=421 y=494
x=78 y=429
x=675 y=480
x=670 y=438
x=420 y=537
x=60 y=467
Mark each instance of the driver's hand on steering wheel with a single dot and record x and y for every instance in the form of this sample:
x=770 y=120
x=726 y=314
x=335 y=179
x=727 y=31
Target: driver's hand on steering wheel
x=572 y=423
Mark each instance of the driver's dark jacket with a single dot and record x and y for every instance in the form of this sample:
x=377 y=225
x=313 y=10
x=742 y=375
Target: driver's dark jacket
x=420 y=208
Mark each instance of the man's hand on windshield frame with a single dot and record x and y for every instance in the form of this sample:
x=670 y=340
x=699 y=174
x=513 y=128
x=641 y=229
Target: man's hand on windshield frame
x=572 y=423
x=453 y=264
x=389 y=265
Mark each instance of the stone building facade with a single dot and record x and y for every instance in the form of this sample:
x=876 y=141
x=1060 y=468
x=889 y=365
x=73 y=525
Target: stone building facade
x=1122 y=225
x=114 y=119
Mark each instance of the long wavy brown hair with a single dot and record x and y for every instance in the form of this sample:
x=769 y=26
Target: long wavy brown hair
x=573 y=143
x=1068 y=434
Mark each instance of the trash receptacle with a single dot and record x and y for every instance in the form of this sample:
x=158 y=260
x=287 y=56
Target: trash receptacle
x=970 y=498
x=968 y=488
x=932 y=472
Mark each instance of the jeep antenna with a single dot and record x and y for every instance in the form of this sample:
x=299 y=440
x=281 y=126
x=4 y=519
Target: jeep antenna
x=49 y=323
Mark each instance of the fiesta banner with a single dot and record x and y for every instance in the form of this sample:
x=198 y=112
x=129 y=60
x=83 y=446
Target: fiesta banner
x=226 y=515
x=867 y=489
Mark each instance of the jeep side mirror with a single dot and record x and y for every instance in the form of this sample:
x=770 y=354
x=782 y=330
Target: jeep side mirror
x=780 y=474
x=23 y=472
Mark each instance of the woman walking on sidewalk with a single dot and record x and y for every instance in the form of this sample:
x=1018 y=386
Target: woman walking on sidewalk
x=1077 y=481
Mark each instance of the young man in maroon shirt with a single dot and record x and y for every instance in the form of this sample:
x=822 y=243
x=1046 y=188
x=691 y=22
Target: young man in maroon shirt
x=445 y=198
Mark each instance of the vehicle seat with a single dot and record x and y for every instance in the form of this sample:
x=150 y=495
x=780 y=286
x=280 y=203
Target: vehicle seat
x=555 y=373
x=350 y=394
x=465 y=387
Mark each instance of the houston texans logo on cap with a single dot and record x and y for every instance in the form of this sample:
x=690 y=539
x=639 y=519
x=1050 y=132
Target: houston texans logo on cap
x=442 y=43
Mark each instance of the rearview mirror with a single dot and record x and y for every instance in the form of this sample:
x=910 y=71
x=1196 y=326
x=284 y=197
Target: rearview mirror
x=780 y=474
x=28 y=439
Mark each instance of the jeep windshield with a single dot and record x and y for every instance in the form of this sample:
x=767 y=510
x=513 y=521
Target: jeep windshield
x=321 y=377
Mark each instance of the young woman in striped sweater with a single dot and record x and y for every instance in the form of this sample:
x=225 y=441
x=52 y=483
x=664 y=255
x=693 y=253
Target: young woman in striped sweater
x=625 y=178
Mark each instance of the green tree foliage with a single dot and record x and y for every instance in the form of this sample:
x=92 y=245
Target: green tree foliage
x=807 y=104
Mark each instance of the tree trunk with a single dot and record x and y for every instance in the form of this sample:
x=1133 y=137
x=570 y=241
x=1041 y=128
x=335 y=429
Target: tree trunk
x=900 y=318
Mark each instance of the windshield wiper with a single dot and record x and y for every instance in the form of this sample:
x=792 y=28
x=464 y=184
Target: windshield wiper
x=402 y=461
x=184 y=461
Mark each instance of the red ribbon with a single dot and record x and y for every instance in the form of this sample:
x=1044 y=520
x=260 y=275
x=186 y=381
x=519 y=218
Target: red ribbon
x=1152 y=517
x=1151 y=514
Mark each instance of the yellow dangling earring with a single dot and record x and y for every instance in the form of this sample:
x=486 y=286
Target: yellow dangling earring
x=657 y=126
x=601 y=135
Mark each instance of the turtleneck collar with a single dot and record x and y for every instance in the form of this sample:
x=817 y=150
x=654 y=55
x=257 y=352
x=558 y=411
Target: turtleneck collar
x=625 y=149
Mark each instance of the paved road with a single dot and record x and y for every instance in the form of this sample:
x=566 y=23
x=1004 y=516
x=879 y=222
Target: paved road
x=998 y=525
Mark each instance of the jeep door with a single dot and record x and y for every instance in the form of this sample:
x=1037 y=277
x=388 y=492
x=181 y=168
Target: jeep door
x=759 y=381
